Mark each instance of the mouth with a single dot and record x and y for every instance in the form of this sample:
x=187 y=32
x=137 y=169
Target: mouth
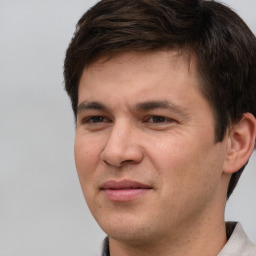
x=124 y=190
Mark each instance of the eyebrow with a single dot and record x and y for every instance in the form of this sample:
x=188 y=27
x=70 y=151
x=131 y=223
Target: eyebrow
x=151 y=105
x=143 y=106
x=85 y=105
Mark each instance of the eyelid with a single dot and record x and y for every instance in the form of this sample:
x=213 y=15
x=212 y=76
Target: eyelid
x=89 y=119
x=166 y=119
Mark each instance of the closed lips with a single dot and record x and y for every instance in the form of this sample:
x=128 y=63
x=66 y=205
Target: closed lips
x=124 y=184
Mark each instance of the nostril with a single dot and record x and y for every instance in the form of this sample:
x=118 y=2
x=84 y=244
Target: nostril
x=127 y=161
x=106 y=162
x=122 y=163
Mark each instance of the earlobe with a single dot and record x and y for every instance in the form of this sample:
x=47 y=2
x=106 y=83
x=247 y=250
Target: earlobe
x=241 y=143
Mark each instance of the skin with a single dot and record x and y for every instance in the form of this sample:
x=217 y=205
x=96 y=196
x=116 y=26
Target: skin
x=122 y=135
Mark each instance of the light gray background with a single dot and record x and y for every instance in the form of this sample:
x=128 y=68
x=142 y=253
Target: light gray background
x=42 y=210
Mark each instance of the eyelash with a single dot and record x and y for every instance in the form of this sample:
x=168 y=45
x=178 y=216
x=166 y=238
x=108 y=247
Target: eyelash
x=93 y=119
x=158 y=119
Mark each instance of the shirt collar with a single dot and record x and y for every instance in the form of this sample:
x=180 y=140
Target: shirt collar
x=105 y=249
x=238 y=244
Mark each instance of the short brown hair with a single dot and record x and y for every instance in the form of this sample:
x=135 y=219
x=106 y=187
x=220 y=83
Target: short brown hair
x=224 y=47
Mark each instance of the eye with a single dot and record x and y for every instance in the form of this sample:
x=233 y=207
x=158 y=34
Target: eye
x=95 y=119
x=158 y=119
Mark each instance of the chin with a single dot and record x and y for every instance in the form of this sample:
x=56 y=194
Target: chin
x=133 y=232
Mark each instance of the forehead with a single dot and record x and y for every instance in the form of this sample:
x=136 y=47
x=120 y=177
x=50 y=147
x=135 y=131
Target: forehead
x=141 y=71
x=168 y=58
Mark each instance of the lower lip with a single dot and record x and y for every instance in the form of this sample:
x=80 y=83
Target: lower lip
x=124 y=195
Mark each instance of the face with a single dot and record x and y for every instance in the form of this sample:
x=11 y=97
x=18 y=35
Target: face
x=144 y=147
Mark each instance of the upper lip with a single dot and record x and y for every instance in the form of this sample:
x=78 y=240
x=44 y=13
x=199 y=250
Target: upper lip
x=123 y=184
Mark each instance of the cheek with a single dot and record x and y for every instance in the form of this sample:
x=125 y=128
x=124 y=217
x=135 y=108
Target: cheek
x=86 y=159
x=186 y=164
x=86 y=156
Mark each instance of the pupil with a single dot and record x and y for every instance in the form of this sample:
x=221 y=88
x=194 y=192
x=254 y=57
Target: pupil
x=158 y=119
x=98 y=119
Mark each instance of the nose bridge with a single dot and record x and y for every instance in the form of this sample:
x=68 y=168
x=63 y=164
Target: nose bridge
x=122 y=146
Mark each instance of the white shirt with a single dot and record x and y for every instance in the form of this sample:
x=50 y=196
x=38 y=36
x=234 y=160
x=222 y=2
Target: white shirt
x=238 y=244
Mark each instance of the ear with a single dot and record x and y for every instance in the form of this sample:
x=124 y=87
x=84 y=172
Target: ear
x=241 y=142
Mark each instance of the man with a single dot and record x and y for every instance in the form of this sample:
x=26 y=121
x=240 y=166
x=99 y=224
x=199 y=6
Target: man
x=163 y=93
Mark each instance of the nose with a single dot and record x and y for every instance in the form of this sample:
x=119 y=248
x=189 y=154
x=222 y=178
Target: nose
x=123 y=146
